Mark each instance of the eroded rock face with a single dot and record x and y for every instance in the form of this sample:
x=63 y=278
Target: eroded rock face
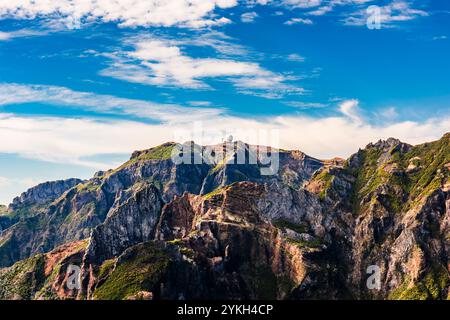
x=43 y=276
x=219 y=246
x=71 y=216
x=43 y=193
x=311 y=232
x=130 y=223
x=399 y=217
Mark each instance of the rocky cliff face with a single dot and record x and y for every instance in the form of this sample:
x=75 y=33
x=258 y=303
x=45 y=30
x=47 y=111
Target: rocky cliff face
x=398 y=198
x=72 y=215
x=43 y=193
x=130 y=223
x=316 y=230
x=42 y=276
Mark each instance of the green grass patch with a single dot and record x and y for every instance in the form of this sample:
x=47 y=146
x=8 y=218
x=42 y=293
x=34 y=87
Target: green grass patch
x=106 y=267
x=141 y=269
x=284 y=224
x=316 y=243
x=162 y=152
x=432 y=287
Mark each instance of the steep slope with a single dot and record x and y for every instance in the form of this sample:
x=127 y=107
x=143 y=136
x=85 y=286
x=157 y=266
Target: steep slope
x=377 y=209
x=43 y=276
x=132 y=222
x=398 y=196
x=221 y=246
x=21 y=219
x=43 y=193
x=311 y=232
x=73 y=215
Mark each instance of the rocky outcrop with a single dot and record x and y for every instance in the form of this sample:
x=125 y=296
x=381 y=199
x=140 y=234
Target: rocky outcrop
x=221 y=246
x=400 y=217
x=317 y=229
x=43 y=276
x=75 y=213
x=43 y=193
x=130 y=223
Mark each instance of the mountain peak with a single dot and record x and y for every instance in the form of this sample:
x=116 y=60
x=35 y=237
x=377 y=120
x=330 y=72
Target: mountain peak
x=387 y=144
x=162 y=148
x=43 y=193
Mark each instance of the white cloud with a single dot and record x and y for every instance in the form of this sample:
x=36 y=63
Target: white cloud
x=162 y=62
x=349 y=108
x=356 y=10
x=321 y=11
x=296 y=57
x=23 y=183
x=301 y=3
x=249 y=17
x=22 y=33
x=252 y=3
x=395 y=12
x=70 y=141
x=185 y=13
x=306 y=105
x=223 y=44
x=293 y=21
x=200 y=103
x=106 y=104
x=127 y=13
x=321 y=7
x=266 y=87
x=388 y=114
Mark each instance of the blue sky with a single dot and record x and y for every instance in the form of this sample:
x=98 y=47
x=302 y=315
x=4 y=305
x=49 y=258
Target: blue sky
x=84 y=83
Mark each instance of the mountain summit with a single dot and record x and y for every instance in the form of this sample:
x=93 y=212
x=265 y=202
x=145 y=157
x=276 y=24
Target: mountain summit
x=216 y=228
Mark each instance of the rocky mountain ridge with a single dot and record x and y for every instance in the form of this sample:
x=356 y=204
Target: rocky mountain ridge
x=159 y=230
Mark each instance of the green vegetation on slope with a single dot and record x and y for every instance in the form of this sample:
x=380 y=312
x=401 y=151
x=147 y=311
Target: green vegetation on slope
x=315 y=243
x=431 y=287
x=219 y=190
x=162 y=152
x=140 y=269
x=284 y=224
x=325 y=178
x=23 y=279
x=411 y=175
x=431 y=160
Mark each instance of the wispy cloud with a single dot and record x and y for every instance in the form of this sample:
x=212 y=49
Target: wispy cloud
x=306 y=105
x=163 y=62
x=127 y=13
x=200 y=103
x=303 y=4
x=22 y=33
x=73 y=140
x=395 y=12
x=349 y=108
x=294 y=21
x=324 y=7
x=103 y=104
x=295 y=57
x=249 y=17
x=222 y=44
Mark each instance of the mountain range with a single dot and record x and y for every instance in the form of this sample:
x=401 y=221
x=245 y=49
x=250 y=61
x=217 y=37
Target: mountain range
x=317 y=229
